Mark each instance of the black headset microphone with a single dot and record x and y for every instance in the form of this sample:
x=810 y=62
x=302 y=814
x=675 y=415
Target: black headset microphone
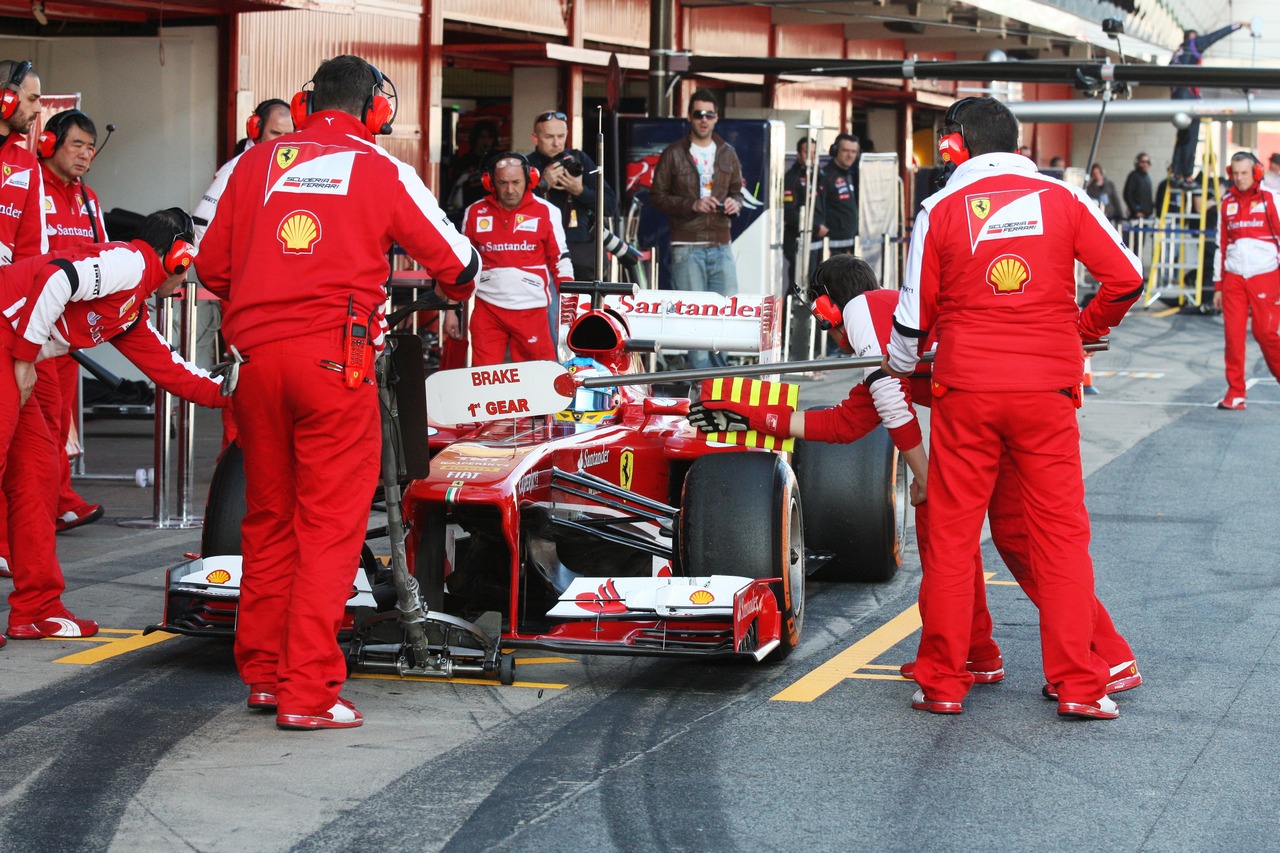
x=111 y=128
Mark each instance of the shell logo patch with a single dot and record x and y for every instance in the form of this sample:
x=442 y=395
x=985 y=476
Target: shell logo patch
x=218 y=576
x=701 y=596
x=981 y=207
x=299 y=232
x=1008 y=274
x=484 y=224
x=1232 y=209
x=49 y=206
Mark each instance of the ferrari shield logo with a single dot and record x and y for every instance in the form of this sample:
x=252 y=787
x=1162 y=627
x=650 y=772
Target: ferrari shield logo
x=981 y=207
x=286 y=155
x=626 y=468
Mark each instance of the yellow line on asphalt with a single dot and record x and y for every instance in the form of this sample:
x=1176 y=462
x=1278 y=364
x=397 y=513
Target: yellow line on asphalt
x=1168 y=312
x=854 y=658
x=487 y=682
x=111 y=647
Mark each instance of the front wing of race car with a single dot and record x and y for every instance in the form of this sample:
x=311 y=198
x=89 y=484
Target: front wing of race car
x=202 y=594
x=717 y=616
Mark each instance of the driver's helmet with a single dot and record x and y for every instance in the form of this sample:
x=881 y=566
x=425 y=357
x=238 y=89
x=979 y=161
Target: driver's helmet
x=590 y=405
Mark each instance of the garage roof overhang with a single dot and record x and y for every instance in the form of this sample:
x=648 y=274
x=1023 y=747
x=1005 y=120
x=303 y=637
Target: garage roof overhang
x=153 y=11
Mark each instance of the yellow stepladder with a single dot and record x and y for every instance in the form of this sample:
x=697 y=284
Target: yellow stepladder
x=1180 y=236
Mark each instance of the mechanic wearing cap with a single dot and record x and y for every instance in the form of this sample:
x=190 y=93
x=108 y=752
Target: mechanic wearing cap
x=991 y=270
x=1246 y=273
x=570 y=181
x=522 y=245
x=863 y=327
x=22 y=231
x=302 y=270
x=73 y=215
x=270 y=120
x=76 y=299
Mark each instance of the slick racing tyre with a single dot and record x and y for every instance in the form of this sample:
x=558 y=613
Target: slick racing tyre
x=855 y=500
x=225 y=508
x=740 y=515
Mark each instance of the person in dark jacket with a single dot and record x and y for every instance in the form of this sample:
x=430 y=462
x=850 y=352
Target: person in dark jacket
x=1191 y=52
x=1139 y=197
x=795 y=193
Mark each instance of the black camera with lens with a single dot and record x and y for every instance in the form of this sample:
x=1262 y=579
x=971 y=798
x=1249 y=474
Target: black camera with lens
x=572 y=165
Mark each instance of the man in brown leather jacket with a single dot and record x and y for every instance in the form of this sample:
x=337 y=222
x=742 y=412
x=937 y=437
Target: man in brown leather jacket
x=698 y=184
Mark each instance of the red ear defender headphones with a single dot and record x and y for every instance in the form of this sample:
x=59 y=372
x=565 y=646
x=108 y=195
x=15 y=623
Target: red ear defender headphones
x=256 y=123
x=54 y=133
x=824 y=309
x=183 y=251
x=1258 y=169
x=376 y=115
x=951 y=145
x=489 y=179
x=11 y=95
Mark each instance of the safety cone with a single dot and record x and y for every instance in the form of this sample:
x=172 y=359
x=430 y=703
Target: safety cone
x=1088 y=376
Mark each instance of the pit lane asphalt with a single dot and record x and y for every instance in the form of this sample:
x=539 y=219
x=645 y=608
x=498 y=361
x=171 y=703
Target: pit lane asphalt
x=153 y=749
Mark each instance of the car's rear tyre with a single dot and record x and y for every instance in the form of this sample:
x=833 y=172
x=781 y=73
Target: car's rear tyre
x=855 y=501
x=225 y=508
x=740 y=515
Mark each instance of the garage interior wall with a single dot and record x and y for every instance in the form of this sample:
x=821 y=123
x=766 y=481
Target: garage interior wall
x=160 y=96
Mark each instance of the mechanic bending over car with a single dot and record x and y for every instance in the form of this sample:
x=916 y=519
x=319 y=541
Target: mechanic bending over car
x=74 y=299
x=301 y=270
x=991 y=274
x=863 y=326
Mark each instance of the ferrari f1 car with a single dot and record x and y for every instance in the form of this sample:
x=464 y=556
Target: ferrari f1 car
x=600 y=522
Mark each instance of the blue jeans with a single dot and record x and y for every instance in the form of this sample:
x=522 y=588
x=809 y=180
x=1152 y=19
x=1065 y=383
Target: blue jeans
x=705 y=268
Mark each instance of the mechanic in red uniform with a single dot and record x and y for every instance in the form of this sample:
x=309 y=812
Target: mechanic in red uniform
x=74 y=216
x=298 y=251
x=21 y=212
x=76 y=299
x=1246 y=273
x=521 y=241
x=867 y=319
x=991 y=275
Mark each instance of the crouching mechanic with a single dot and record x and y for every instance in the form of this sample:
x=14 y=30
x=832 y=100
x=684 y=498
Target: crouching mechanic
x=863 y=327
x=302 y=268
x=1246 y=273
x=75 y=299
x=521 y=242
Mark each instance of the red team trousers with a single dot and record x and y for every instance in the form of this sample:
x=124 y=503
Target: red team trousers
x=493 y=329
x=311 y=456
x=1241 y=297
x=59 y=380
x=1039 y=432
x=28 y=468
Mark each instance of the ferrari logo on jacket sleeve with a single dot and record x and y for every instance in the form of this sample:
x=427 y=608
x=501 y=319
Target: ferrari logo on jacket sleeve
x=1008 y=274
x=981 y=207
x=299 y=232
x=286 y=155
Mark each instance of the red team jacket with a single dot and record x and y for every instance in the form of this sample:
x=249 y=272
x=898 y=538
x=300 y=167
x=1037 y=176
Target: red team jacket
x=22 y=226
x=1248 y=233
x=306 y=221
x=1009 y=238
x=78 y=298
x=522 y=251
x=71 y=212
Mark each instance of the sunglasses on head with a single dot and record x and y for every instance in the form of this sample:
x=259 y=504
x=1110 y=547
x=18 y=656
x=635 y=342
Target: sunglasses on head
x=703 y=114
x=507 y=161
x=550 y=115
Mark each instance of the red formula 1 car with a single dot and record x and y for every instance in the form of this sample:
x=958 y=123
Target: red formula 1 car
x=607 y=527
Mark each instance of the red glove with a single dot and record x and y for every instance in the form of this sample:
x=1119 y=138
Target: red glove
x=726 y=416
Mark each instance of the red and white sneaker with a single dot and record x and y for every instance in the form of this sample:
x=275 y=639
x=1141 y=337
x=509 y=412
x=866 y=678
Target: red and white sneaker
x=261 y=698
x=83 y=514
x=1103 y=709
x=1233 y=403
x=983 y=671
x=54 y=626
x=1124 y=676
x=343 y=715
x=920 y=703
x=5 y=571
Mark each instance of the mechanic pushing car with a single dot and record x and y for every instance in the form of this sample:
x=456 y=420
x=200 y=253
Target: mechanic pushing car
x=1246 y=273
x=862 y=326
x=74 y=299
x=302 y=268
x=991 y=270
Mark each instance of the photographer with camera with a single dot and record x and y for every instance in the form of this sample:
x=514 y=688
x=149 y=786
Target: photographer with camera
x=570 y=183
